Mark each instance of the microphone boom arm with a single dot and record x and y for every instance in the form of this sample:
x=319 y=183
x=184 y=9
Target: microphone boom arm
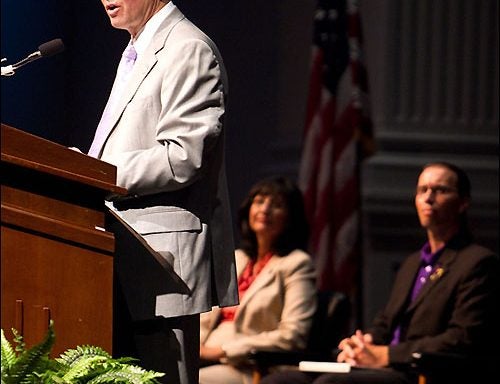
x=47 y=49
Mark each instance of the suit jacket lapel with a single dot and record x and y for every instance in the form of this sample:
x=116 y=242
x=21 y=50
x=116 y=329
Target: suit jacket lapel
x=444 y=262
x=405 y=284
x=140 y=71
x=145 y=64
x=264 y=277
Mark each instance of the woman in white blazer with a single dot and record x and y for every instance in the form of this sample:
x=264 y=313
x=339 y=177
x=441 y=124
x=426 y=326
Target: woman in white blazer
x=276 y=281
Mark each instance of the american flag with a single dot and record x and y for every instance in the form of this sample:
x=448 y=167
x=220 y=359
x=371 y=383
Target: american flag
x=337 y=137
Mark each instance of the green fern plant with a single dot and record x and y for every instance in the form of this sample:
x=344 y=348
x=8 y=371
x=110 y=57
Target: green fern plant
x=85 y=364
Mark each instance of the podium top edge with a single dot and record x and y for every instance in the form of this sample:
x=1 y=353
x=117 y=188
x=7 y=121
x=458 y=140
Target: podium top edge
x=30 y=151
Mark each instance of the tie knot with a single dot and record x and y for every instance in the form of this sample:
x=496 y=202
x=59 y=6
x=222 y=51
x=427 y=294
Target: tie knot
x=130 y=53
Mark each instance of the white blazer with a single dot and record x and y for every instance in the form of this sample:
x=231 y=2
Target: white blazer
x=275 y=312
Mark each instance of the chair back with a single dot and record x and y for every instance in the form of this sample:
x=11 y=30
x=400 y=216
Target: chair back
x=330 y=323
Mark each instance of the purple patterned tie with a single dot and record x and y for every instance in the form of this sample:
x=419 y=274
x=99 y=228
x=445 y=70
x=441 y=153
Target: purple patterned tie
x=124 y=68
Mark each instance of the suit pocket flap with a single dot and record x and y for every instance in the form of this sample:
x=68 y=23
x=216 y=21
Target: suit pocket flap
x=160 y=221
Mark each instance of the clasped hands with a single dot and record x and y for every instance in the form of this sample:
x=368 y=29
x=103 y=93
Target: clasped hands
x=359 y=350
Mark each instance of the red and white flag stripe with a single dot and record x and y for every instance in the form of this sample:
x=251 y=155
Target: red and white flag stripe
x=336 y=125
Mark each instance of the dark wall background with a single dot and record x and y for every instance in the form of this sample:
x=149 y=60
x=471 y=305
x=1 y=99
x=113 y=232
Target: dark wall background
x=58 y=98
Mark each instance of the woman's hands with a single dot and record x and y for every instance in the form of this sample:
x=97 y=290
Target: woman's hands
x=211 y=353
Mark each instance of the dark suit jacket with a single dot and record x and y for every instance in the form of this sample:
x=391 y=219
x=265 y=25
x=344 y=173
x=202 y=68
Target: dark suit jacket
x=455 y=311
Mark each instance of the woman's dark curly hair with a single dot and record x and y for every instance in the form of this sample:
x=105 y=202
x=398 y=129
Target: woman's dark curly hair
x=295 y=234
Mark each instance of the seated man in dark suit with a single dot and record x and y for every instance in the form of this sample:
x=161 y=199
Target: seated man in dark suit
x=444 y=298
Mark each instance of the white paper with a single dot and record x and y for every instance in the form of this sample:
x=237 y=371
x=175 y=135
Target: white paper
x=324 y=366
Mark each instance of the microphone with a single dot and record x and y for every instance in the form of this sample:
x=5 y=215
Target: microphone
x=51 y=48
x=47 y=49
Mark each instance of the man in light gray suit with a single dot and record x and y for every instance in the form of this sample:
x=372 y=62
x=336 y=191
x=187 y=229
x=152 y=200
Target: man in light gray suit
x=164 y=133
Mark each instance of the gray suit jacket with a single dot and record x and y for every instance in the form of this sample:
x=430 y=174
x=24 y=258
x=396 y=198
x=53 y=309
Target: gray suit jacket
x=167 y=143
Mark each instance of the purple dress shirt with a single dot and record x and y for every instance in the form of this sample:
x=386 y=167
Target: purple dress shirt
x=427 y=266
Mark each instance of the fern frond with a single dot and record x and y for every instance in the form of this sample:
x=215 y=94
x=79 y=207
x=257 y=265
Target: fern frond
x=8 y=355
x=30 y=360
x=73 y=356
x=49 y=374
x=130 y=374
x=85 y=364
x=83 y=367
x=19 y=341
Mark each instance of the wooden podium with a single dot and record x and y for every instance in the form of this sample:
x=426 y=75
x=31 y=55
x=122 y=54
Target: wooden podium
x=57 y=258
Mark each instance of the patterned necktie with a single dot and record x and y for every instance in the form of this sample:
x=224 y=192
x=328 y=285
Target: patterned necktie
x=124 y=69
